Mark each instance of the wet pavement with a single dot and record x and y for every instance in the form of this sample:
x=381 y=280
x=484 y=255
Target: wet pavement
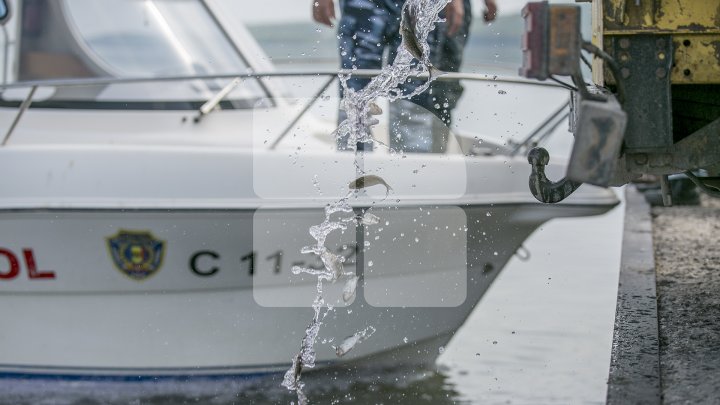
x=681 y=365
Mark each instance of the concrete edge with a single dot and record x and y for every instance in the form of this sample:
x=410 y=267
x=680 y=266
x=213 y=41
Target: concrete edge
x=634 y=376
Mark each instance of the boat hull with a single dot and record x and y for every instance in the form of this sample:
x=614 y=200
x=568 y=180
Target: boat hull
x=71 y=310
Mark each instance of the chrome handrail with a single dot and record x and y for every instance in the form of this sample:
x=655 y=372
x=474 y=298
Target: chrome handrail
x=302 y=112
x=357 y=73
x=21 y=110
x=542 y=127
x=236 y=77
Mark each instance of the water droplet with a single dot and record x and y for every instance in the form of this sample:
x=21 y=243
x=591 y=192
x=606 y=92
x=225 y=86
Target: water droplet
x=488 y=214
x=405 y=339
x=441 y=349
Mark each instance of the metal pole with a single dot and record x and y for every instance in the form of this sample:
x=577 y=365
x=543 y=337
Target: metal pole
x=539 y=128
x=302 y=112
x=209 y=105
x=258 y=75
x=24 y=106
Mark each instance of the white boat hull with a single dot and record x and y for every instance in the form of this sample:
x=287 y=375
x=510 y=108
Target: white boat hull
x=86 y=318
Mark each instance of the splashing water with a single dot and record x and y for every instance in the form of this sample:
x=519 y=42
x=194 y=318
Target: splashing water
x=358 y=104
x=332 y=271
x=359 y=107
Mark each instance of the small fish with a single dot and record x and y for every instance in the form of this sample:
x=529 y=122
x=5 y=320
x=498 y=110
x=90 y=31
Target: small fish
x=297 y=367
x=353 y=340
x=349 y=289
x=410 y=39
x=333 y=263
x=373 y=108
x=291 y=380
x=369 y=181
x=369 y=219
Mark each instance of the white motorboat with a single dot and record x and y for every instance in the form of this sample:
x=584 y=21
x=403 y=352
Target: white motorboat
x=158 y=185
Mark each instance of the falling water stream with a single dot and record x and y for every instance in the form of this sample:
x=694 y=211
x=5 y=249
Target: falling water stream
x=359 y=107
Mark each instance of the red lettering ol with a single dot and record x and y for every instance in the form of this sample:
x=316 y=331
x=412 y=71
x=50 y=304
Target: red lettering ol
x=14 y=265
x=33 y=272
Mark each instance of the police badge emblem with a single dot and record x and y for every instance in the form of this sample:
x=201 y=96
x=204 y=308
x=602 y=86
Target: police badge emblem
x=138 y=255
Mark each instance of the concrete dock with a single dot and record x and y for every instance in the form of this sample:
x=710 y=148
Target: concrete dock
x=666 y=344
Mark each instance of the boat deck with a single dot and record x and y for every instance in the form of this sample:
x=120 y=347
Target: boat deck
x=666 y=345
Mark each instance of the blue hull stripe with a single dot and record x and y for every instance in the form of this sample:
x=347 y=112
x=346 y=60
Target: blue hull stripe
x=142 y=374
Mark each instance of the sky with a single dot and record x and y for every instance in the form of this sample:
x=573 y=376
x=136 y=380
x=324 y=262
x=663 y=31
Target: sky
x=299 y=10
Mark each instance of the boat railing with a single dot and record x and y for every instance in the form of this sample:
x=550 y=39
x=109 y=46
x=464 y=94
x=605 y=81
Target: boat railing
x=236 y=78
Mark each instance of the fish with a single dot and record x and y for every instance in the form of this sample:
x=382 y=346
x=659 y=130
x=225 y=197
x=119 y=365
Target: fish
x=349 y=289
x=297 y=367
x=333 y=263
x=373 y=108
x=369 y=181
x=291 y=380
x=353 y=340
x=369 y=219
x=410 y=40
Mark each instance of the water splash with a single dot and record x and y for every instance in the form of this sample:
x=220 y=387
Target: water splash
x=332 y=271
x=388 y=84
x=360 y=109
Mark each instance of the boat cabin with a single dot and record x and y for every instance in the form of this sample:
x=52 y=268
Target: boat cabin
x=118 y=39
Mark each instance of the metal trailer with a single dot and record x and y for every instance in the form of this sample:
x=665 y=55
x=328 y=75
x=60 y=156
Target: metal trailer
x=654 y=105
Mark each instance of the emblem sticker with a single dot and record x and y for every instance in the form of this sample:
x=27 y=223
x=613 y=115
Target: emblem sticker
x=138 y=255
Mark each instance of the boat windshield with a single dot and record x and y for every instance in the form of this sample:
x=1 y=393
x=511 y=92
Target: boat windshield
x=158 y=38
x=132 y=39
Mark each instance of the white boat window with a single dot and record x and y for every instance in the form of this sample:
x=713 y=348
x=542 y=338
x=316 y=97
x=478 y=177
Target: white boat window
x=4 y=12
x=133 y=39
x=154 y=37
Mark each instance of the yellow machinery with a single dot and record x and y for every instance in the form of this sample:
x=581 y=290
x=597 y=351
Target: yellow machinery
x=654 y=104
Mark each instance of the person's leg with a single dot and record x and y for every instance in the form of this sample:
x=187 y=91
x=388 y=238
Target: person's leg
x=411 y=126
x=361 y=43
x=446 y=54
x=426 y=127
